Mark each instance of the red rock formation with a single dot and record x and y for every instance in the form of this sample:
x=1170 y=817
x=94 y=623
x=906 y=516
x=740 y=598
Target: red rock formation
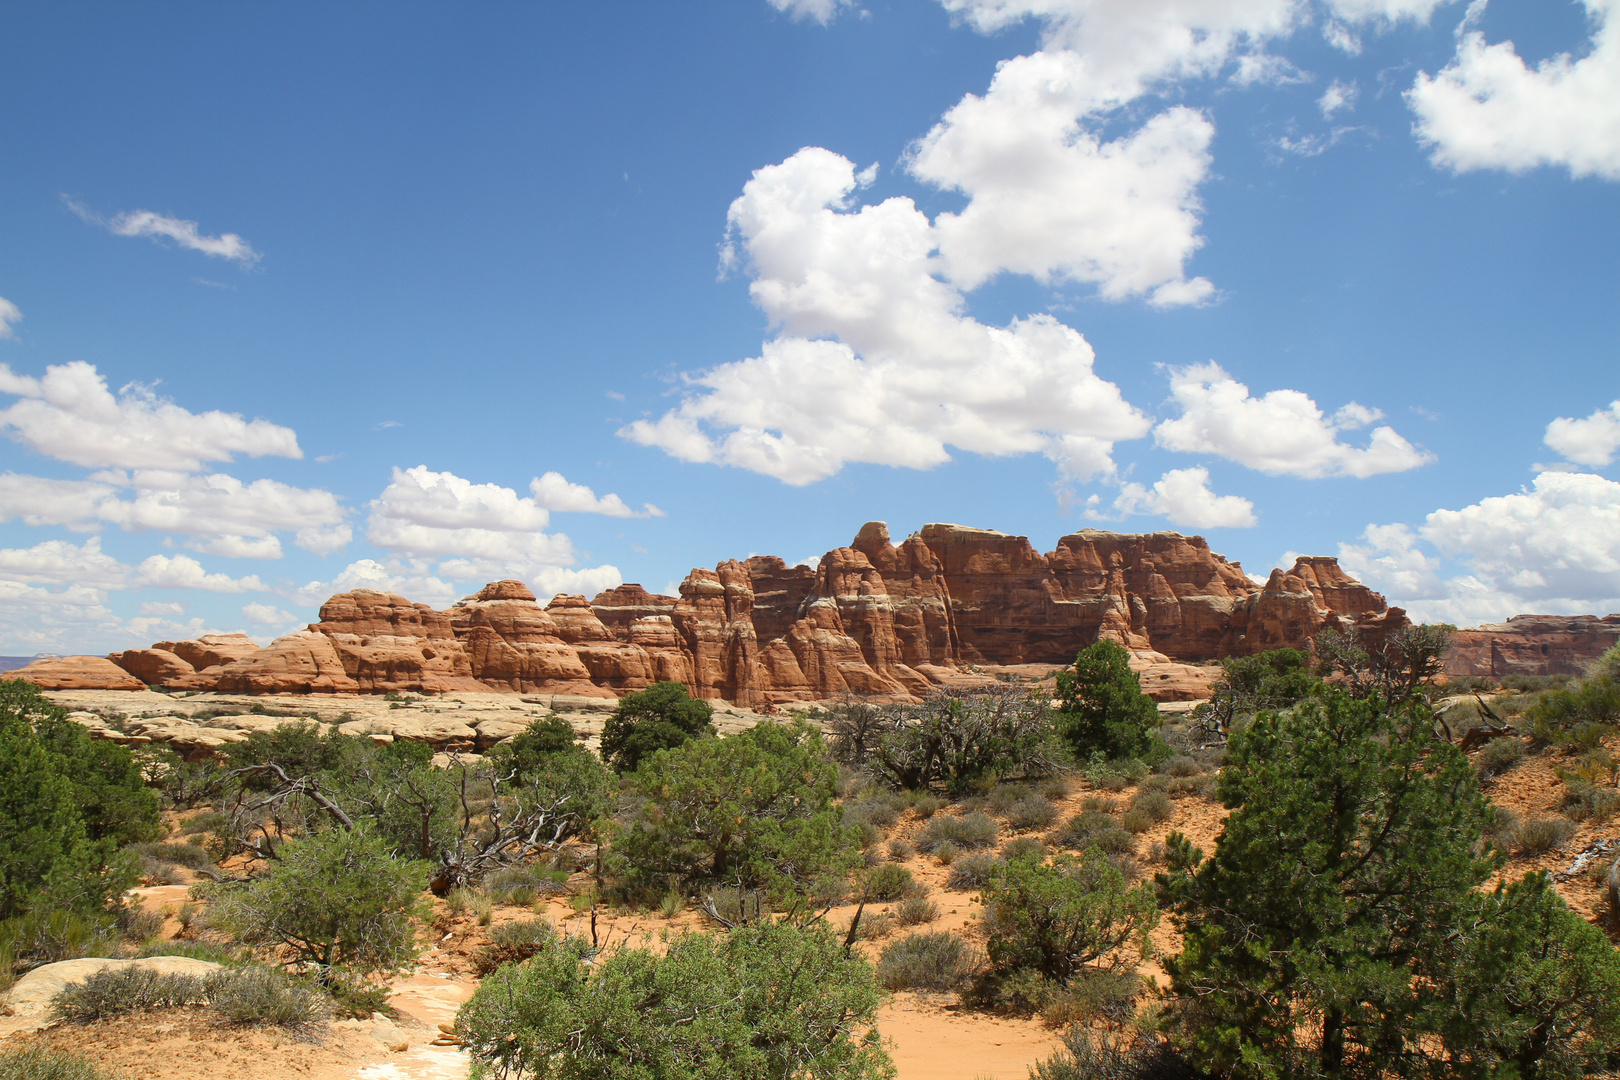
x=76 y=673
x=511 y=643
x=154 y=667
x=876 y=618
x=1532 y=645
x=211 y=650
x=385 y=642
x=306 y=662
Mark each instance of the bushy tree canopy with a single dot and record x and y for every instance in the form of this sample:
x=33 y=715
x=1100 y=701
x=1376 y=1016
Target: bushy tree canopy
x=1102 y=707
x=338 y=898
x=661 y=717
x=754 y=808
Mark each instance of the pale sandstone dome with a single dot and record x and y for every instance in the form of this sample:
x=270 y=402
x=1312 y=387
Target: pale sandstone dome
x=878 y=619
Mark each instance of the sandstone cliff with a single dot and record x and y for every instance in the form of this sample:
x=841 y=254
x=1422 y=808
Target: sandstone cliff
x=1532 y=645
x=875 y=618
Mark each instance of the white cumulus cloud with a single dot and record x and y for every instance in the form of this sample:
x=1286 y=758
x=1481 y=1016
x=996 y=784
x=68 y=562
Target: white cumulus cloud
x=268 y=615
x=8 y=315
x=1282 y=432
x=1589 y=441
x=476 y=531
x=908 y=374
x=184 y=572
x=163 y=227
x=554 y=492
x=819 y=11
x=1049 y=198
x=1488 y=110
x=1338 y=97
x=70 y=415
x=1553 y=549
x=1183 y=496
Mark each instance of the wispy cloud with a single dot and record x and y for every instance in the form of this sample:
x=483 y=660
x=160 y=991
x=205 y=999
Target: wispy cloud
x=157 y=226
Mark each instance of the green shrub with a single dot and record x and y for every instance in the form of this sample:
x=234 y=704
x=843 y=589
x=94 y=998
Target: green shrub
x=116 y=991
x=927 y=806
x=887 y=881
x=264 y=995
x=973 y=872
x=1072 y=917
x=946 y=852
x=661 y=717
x=337 y=898
x=1537 y=836
x=1089 y=1054
x=901 y=850
x=769 y=1000
x=926 y=961
x=914 y=910
x=46 y=936
x=970 y=831
x=35 y=1063
x=1091 y=996
x=209 y=821
x=874 y=926
x=137 y=923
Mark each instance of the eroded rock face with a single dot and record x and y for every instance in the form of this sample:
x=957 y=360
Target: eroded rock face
x=876 y=619
x=1532 y=645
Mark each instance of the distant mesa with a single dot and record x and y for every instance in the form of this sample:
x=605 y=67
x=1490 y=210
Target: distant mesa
x=875 y=619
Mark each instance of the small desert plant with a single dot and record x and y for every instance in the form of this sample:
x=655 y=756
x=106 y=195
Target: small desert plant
x=1585 y=801
x=209 y=821
x=157 y=872
x=265 y=995
x=671 y=905
x=1179 y=765
x=926 y=806
x=116 y=991
x=212 y=951
x=520 y=886
x=946 y=853
x=1498 y=756
x=886 y=881
x=1024 y=847
x=1090 y=829
x=1089 y=1054
x=137 y=923
x=190 y=856
x=973 y=872
x=1054 y=787
x=926 y=961
x=38 y=1063
x=875 y=926
x=357 y=999
x=1156 y=804
x=970 y=831
x=1537 y=836
x=1109 y=996
x=901 y=850
x=915 y=910
x=513 y=943
x=1033 y=812
x=1136 y=821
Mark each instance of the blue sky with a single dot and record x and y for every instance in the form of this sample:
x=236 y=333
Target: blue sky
x=408 y=296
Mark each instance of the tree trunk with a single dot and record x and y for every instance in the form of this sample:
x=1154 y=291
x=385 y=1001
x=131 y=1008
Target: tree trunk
x=1332 y=1051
